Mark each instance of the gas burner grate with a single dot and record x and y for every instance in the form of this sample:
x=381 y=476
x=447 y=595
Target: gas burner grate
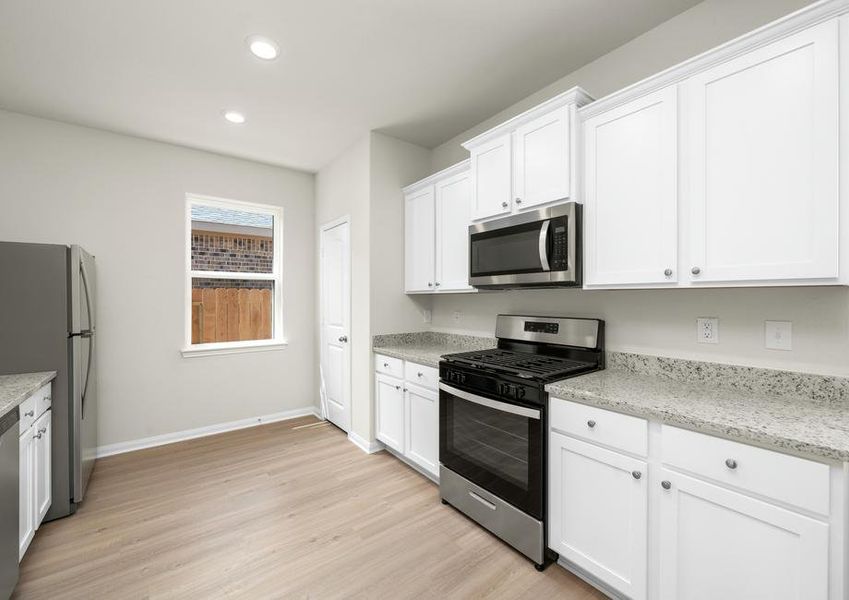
x=524 y=364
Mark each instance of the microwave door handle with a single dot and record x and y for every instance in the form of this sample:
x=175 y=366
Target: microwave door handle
x=543 y=245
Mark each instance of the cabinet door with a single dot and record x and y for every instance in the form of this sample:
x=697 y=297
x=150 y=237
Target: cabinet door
x=491 y=179
x=422 y=428
x=42 y=466
x=715 y=543
x=26 y=491
x=630 y=205
x=541 y=159
x=453 y=216
x=419 y=241
x=762 y=162
x=389 y=396
x=598 y=512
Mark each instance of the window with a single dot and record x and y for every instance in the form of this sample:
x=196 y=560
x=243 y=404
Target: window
x=233 y=280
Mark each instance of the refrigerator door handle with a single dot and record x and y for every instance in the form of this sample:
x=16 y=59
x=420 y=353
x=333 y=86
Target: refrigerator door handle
x=86 y=333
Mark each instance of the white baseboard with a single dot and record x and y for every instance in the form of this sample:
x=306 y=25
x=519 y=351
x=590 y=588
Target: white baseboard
x=188 y=434
x=365 y=445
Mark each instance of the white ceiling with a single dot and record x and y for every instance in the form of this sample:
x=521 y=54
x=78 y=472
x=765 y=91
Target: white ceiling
x=419 y=70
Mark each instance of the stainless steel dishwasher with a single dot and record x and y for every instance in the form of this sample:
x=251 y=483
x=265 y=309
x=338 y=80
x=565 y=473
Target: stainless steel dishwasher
x=9 y=469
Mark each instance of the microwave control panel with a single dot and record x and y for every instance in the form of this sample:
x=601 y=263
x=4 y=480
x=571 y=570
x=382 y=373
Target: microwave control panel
x=560 y=245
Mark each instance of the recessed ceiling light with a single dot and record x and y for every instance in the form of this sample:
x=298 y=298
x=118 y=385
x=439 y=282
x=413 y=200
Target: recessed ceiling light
x=262 y=47
x=234 y=116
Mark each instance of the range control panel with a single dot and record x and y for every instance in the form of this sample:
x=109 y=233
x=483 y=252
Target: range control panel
x=542 y=327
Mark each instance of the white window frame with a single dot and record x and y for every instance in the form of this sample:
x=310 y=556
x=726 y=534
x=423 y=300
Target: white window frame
x=277 y=340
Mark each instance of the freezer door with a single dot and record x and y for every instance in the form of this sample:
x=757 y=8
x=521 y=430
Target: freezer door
x=84 y=367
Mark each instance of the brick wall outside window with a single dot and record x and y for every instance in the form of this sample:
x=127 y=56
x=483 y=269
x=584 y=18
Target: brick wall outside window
x=214 y=251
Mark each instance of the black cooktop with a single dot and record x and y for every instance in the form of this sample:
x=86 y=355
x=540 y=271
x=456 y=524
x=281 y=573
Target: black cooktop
x=527 y=365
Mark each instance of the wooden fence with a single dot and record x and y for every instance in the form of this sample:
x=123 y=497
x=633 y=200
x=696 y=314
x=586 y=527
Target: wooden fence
x=230 y=315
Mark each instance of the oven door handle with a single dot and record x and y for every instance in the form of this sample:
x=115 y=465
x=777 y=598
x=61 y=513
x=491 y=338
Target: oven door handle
x=543 y=245
x=494 y=404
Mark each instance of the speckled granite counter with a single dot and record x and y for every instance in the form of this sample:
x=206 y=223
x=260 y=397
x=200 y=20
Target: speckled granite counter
x=427 y=347
x=14 y=389
x=798 y=413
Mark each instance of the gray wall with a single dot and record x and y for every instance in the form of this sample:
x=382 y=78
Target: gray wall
x=664 y=321
x=122 y=198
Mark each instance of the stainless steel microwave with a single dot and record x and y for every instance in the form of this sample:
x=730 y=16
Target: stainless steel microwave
x=540 y=248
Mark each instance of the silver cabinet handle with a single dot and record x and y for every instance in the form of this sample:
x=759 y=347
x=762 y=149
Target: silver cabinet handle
x=695 y=270
x=668 y=272
x=436 y=284
x=590 y=423
x=386 y=365
x=730 y=463
x=30 y=413
x=504 y=205
x=429 y=284
x=419 y=374
x=405 y=389
x=636 y=474
x=343 y=338
x=37 y=436
x=666 y=484
x=397 y=387
x=518 y=200
x=42 y=430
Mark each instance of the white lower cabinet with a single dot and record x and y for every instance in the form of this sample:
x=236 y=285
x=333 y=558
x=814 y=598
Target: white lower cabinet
x=389 y=414
x=35 y=472
x=697 y=518
x=718 y=543
x=407 y=412
x=598 y=516
x=26 y=494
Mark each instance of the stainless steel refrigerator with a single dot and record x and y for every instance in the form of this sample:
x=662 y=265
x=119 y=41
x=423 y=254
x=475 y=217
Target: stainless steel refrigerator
x=48 y=323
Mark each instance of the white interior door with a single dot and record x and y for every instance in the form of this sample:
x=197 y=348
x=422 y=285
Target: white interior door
x=335 y=307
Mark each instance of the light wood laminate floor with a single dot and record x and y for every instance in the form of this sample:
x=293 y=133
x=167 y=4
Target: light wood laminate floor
x=286 y=510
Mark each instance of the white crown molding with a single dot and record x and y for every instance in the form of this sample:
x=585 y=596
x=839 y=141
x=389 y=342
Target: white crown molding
x=460 y=167
x=785 y=26
x=364 y=445
x=190 y=434
x=576 y=95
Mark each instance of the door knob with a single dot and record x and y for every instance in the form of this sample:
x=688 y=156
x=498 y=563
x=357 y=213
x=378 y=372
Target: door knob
x=668 y=272
x=731 y=463
x=518 y=200
x=504 y=205
x=590 y=423
x=343 y=338
x=636 y=474
x=695 y=270
x=666 y=484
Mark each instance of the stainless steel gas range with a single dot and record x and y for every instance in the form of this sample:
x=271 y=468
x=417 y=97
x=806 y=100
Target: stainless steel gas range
x=493 y=423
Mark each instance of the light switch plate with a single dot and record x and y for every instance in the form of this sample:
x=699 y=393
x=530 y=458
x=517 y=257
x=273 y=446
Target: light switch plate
x=427 y=316
x=778 y=335
x=707 y=330
x=458 y=316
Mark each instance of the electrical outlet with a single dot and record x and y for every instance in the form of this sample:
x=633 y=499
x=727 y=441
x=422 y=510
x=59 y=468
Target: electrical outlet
x=778 y=335
x=707 y=330
x=458 y=316
x=427 y=316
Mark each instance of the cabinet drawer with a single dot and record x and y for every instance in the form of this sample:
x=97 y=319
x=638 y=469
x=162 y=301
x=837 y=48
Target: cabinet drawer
x=609 y=428
x=389 y=365
x=421 y=375
x=797 y=481
x=29 y=411
x=42 y=400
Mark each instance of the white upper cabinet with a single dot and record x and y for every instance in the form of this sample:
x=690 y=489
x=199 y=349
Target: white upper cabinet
x=453 y=208
x=419 y=240
x=762 y=162
x=630 y=200
x=542 y=159
x=437 y=216
x=527 y=161
x=491 y=180
x=724 y=170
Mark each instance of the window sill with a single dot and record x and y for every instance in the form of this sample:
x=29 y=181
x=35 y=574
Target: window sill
x=232 y=348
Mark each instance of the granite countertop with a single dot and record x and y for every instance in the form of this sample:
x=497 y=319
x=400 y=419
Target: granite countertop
x=428 y=347
x=760 y=406
x=14 y=389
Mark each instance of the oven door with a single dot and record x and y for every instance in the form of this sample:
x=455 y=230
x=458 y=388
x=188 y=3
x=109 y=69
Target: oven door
x=534 y=248
x=494 y=444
